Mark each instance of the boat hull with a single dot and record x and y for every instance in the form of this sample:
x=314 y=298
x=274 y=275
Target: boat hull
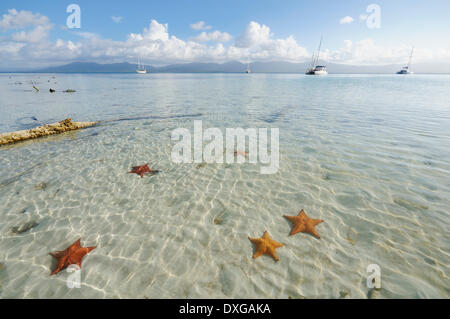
x=141 y=71
x=320 y=72
x=316 y=72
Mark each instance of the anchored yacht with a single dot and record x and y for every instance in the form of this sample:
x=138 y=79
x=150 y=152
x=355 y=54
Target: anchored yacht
x=407 y=68
x=315 y=69
x=141 y=68
x=248 y=69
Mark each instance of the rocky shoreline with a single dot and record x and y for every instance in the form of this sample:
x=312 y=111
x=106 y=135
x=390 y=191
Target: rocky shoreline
x=45 y=130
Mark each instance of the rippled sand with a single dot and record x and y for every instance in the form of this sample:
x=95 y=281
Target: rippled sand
x=374 y=166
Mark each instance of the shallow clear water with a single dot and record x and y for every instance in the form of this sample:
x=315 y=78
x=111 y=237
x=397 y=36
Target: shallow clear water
x=368 y=154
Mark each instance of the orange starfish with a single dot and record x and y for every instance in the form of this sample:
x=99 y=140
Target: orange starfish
x=71 y=256
x=304 y=224
x=236 y=153
x=141 y=170
x=265 y=245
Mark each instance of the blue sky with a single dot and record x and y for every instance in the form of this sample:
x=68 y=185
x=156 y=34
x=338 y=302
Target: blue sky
x=424 y=24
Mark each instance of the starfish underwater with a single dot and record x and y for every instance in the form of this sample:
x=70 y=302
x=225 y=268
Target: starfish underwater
x=304 y=224
x=236 y=153
x=71 y=256
x=141 y=170
x=265 y=245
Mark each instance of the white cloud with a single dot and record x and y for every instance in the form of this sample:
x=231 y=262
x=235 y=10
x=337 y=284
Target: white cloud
x=201 y=25
x=117 y=19
x=11 y=49
x=257 y=43
x=346 y=20
x=154 y=44
x=29 y=45
x=215 y=36
x=86 y=35
x=156 y=31
x=36 y=35
x=368 y=52
x=254 y=34
x=24 y=19
x=19 y=19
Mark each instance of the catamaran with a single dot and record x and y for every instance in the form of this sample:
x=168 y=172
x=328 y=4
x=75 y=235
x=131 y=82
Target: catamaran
x=315 y=69
x=141 y=68
x=407 y=69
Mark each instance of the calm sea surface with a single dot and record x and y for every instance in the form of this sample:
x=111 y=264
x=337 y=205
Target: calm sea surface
x=369 y=154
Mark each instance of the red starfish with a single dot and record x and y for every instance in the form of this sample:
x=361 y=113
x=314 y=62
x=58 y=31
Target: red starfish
x=71 y=256
x=304 y=224
x=141 y=170
x=245 y=154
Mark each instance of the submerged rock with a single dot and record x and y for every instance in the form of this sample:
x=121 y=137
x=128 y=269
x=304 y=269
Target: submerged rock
x=41 y=186
x=52 y=90
x=201 y=165
x=45 y=130
x=343 y=294
x=373 y=293
x=24 y=228
x=69 y=91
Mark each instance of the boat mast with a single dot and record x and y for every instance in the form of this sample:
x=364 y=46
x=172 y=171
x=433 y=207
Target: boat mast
x=410 y=58
x=312 y=61
x=318 y=52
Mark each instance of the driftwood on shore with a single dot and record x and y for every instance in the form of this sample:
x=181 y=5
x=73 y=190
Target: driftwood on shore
x=45 y=130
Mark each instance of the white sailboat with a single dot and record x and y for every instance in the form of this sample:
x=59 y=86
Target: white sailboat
x=407 y=69
x=248 y=69
x=315 y=69
x=141 y=68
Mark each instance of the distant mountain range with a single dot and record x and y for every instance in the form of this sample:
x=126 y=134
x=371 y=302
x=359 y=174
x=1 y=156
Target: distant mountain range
x=237 y=67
